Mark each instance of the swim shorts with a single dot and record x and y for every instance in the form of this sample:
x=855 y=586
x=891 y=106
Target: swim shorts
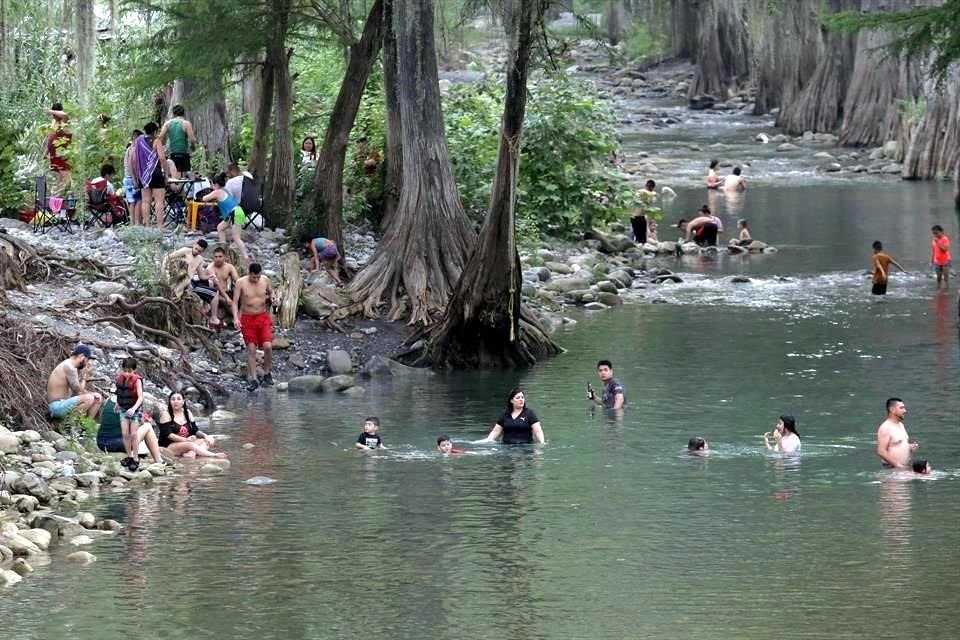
x=942 y=267
x=329 y=252
x=157 y=179
x=130 y=191
x=203 y=289
x=137 y=415
x=60 y=408
x=181 y=161
x=879 y=288
x=257 y=328
x=111 y=445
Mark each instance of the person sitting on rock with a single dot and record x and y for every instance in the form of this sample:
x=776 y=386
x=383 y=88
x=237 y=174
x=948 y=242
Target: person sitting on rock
x=735 y=182
x=324 y=253
x=713 y=180
x=743 y=238
x=67 y=386
x=179 y=432
x=703 y=229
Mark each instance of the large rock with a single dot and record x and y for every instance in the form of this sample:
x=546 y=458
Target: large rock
x=90 y=478
x=39 y=537
x=29 y=436
x=81 y=557
x=25 y=504
x=106 y=288
x=8 y=578
x=338 y=362
x=319 y=300
x=378 y=365
x=7 y=478
x=280 y=343
x=558 y=267
x=32 y=484
x=667 y=247
x=701 y=102
x=891 y=149
x=20 y=545
x=609 y=299
x=305 y=384
x=892 y=168
x=613 y=243
x=607 y=285
x=338 y=383
x=63 y=485
x=9 y=443
x=787 y=146
x=564 y=285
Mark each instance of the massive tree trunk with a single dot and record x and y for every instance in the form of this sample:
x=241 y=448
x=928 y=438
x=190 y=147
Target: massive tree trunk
x=723 y=51
x=325 y=202
x=86 y=47
x=881 y=81
x=261 y=121
x=392 y=166
x=684 y=34
x=616 y=17
x=485 y=324
x=933 y=149
x=209 y=117
x=281 y=181
x=425 y=248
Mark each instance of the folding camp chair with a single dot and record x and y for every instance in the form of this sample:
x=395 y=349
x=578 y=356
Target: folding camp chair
x=102 y=209
x=251 y=201
x=45 y=217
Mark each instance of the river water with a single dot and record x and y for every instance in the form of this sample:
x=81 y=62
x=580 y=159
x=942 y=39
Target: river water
x=610 y=531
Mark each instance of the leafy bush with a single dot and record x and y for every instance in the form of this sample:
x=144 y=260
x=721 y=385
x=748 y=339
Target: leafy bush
x=10 y=195
x=567 y=182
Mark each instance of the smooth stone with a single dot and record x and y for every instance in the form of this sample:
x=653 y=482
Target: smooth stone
x=609 y=299
x=338 y=383
x=595 y=306
x=9 y=577
x=568 y=284
x=32 y=484
x=211 y=469
x=740 y=279
x=7 y=478
x=20 y=545
x=86 y=520
x=354 y=392
x=297 y=360
x=68 y=507
x=109 y=525
x=607 y=285
x=106 y=288
x=28 y=436
x=542 y=273
x=80 y=541
x=823 y=155
x=6 y=554
x=892 y=168
x=379 y=365
x=89 y=479
x=558 y=267
x=21 y=567
x=248 y=445
x=280 y=343
x=65 y=456
x=757 y=245
x=667 y=246
x=222 y=414
x=9 y=443
x=338 y=362
x=832 y=167
x=787 y=146
x=81 y=557
x=157 y=469
x=283 y=386
x=306 y=384
x=259 y=481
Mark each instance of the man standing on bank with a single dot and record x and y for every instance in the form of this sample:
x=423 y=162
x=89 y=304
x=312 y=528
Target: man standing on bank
x=177 y=134
x=893 y=445
x=612 y=396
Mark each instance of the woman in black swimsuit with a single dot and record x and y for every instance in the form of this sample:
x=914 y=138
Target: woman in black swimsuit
x=179 y=433
x=518 y=424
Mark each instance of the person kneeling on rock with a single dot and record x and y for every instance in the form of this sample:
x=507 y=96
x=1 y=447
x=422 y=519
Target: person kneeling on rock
x=179 y=432
x=703 y=228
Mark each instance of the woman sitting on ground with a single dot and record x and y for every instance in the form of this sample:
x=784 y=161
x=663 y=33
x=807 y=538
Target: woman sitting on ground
x=179 y=433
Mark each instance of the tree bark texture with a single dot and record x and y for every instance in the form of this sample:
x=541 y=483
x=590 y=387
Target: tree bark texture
x=423 y=252
x=723 y=49
x=261 y=122
x=684 y=29
x=280 y=189
x=485 y=324
x=880 y=83
x=209 y=117
x=86 y=46
x=392 y=165
x=933 y=150
x=616 y=17
x=291 y=283
x=325 y=202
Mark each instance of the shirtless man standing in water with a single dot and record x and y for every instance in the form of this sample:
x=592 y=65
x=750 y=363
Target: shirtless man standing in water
x=251 y=296
x=893 y=445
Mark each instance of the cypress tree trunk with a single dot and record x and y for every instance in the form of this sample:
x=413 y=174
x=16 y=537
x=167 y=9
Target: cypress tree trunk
x=86 y=46
x=325 y=202
x=425 y=248
x=933 y=149
x=209 y=118
x=723 y=49
x=280 y=188
x=879 y=83
x=392 y=166
x=261 y=122
x=820 y=104
x=616 y=17
x=485 y=324
x=684 y=33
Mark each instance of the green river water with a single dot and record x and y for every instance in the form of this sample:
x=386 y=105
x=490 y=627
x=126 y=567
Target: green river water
x=609 y=531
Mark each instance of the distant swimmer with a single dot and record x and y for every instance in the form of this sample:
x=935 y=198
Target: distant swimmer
x=714 y=181
x=735 y=182
x=922 y=467
x=787 y=440
x=881 y=269
x=893 y=445
x=698 y=446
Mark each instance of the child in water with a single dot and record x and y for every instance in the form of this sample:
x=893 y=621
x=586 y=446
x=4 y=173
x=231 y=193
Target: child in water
x=697 y=446
x=369 y=440
x=324 y=252
x=941 y=255
x=445 y=445
x=922 y=467
x=881 y=269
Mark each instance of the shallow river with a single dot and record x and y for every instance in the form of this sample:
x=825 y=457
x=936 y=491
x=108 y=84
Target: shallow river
x=609 y=531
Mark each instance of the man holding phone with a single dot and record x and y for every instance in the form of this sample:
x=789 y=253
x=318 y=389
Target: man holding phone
x=613 y=396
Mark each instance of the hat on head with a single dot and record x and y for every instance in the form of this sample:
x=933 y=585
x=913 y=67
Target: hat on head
x=83 y=350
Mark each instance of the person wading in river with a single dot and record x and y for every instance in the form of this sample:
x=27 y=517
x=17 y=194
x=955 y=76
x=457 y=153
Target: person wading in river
x=251 y=296
x=881 y=269
x=613 y=396
x=893 y=445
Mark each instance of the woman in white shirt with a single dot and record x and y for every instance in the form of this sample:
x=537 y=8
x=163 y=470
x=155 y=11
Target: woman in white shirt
x=786 y=436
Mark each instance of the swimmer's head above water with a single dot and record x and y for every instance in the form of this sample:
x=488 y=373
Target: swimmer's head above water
x=921 y=466
x=697 y=443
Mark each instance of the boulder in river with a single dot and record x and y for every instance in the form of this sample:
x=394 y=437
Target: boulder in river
x=701 y=102
x=338 y=383
x=81 y=557
x=558 y=267
x=338 y=362
x=306 y=384
x=788 y=146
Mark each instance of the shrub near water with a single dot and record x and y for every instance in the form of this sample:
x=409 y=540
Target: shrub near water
x=567 y=182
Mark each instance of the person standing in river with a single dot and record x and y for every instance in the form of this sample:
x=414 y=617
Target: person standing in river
x=940 y=244
x=613 y=395
x=518 y=424
x=881 y=269
x=648 y=199
x=893 y=444
x=714 y=181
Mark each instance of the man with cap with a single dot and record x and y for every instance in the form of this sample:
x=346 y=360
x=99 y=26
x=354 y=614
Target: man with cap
x=67 y=386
